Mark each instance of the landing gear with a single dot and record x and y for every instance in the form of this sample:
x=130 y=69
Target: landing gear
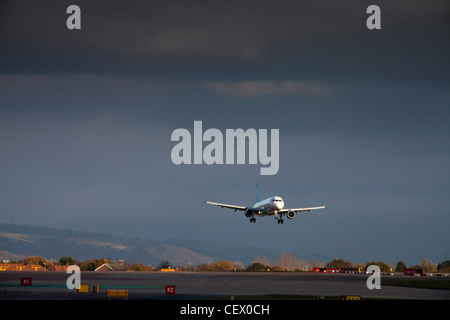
x=253 y=220
x=280 y=221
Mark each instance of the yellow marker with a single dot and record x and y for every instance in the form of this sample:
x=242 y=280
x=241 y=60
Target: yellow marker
x=84 y=288
x=350 y=298
x=116 y=293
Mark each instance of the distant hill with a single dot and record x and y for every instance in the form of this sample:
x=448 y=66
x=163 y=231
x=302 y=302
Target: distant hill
x=230 y=239
x=129 y=243
x=21 y=240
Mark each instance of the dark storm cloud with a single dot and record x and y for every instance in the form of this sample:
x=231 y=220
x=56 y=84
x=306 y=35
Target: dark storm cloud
x=375 y=107
x=288 y=39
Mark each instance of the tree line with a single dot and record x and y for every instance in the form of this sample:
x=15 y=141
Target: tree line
x=427 y=265
x=286 y=262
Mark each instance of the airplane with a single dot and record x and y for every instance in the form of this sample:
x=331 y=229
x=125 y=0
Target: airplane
x=273 y=206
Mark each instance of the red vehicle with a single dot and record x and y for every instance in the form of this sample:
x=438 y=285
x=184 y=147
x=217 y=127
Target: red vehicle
x=412 y=272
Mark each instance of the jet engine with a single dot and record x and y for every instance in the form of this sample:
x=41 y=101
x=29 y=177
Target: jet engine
x=291 y=214
x=248 y=213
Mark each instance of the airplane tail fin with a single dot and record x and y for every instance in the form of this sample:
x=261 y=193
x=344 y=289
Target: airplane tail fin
x=257 y=193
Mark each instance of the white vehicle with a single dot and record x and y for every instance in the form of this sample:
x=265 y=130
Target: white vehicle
x=272 y=206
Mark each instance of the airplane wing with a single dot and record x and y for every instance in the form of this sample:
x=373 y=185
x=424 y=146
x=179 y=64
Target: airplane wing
x=296 y=210
x=227 y=206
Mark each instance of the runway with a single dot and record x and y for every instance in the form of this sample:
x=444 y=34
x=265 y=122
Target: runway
x=203 y=285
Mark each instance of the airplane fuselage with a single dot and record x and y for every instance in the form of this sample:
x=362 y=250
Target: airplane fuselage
x=269 y=206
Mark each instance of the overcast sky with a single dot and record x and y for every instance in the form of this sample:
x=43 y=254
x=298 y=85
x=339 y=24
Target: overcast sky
x=86 y=117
